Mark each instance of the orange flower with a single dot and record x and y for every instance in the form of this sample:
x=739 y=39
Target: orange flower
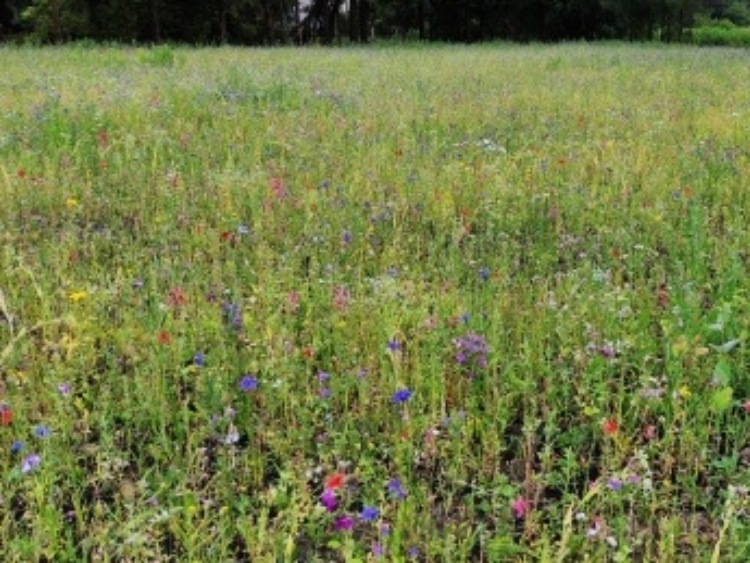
x=164 y=338
x=610 y=427
x=334 y=482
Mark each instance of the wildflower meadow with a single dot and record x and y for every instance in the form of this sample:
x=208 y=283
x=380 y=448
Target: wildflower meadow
x=395 y=303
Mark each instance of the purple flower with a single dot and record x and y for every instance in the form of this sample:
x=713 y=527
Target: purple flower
x=369 y=513
x=401 y=396
x=248 y=383
x=323 y=376
x=393 y=345
x=324 y=393
x=396 y=489
x=30 y=463
x=471 y=351
x=413 y=552
x=377 y=549
x=42 y=431
x=484 y=273
x=328 y=499
x=16 y=447
x=343 y=523
x=64 y=389
x=614 y=484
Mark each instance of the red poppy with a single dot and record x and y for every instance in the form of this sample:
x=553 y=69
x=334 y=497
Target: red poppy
x=334 y=482
x=610 y=427
x=6 y=415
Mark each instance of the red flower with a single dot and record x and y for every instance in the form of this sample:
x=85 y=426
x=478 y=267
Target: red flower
x=334 y=482
x=610 y=427
x=164 y=338
x=6 y=415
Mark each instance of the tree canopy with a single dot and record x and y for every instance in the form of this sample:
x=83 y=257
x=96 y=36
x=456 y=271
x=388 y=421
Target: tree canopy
x=325 y=21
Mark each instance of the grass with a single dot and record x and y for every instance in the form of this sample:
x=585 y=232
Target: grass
x=444 y=304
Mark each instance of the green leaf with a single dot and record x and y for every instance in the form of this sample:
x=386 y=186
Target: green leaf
x=722 y=374
x=721 y=400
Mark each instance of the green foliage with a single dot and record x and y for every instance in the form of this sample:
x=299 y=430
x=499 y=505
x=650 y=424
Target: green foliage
x=159 y=55
x=723 y=33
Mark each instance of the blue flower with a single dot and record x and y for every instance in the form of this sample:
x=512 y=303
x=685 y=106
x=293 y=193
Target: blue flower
x=396 y=489
x=16 y=447
x=369 y=513
x=393 y=345
x=248 y=383
x=42 y=431
x=401 y=396
x=199 y=359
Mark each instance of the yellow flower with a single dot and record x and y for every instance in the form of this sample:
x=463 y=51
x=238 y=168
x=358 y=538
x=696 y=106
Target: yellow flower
x=77 y=296
x=685 y=392
x=71 y=203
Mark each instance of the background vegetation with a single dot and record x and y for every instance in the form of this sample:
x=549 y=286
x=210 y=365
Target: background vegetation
x=302 y=21
x=435 y=304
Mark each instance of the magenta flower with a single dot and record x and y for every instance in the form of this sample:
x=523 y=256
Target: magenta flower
x=328 y=499
x=520 y=507
x=343 y=523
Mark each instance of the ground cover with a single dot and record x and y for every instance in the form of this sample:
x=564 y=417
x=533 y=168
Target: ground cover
x=436 y=304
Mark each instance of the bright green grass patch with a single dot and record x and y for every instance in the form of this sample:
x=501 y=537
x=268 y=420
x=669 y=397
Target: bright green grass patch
x=446 y=304
x=727 y=35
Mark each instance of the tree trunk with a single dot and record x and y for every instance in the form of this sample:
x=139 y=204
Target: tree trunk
x=155 y=21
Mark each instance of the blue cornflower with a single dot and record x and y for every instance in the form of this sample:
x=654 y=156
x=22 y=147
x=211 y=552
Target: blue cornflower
x=42 y=431
x=248 y=383
x=396 y=489
x=393 y=345
x=401 y=396
x=16 y=447
x=369 y=513
x=199 y=359
x=484 y=273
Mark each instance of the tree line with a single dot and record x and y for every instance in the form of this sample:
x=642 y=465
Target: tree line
x=270 y=22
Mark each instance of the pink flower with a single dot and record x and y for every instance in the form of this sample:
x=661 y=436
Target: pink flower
x=520 y=507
